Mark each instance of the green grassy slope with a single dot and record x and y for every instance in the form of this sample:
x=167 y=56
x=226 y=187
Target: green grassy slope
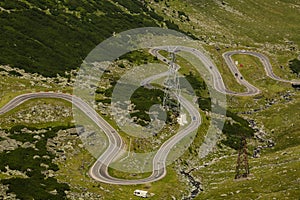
x=274 y=175
x=68 y=30
x=53 y=36
x=269 y=27
x=265 y=26
x=244 y=22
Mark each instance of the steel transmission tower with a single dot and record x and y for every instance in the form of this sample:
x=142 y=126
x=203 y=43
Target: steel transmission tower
x=172 y=90
x=242 y=161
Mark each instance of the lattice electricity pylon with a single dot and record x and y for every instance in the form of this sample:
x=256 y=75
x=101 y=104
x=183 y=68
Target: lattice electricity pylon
x=242 y=160
x=172 y=90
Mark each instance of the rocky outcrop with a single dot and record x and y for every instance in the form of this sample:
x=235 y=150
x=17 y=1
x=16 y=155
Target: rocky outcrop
x=261 y=136
x=39 y=112
x=9 y=144
x=4 y=195
x=194 y=182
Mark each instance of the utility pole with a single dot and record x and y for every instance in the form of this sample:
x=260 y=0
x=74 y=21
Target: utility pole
x=242 y=160
x=172 y=86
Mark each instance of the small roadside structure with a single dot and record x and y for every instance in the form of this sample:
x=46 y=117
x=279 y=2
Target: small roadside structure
x=182 y=120
x=141 y=193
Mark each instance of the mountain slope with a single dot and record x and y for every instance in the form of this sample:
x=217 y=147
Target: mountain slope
x=53 y=36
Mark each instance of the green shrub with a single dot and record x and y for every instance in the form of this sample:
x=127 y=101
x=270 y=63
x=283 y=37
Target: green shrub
x=55 y=43
x=295 y=66
x=37 y=185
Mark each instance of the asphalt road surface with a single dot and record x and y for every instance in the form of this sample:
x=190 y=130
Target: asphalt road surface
x=218 y=82
x=99 y=171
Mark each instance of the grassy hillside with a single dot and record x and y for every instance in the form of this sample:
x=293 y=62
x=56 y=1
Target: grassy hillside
x=267 y=26
x=50 y=37
x=241 y=22
x=32 y=162
x=55 y=36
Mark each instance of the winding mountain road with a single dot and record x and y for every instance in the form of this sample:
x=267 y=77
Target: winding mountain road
x=99 y=170
x=217 y=78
